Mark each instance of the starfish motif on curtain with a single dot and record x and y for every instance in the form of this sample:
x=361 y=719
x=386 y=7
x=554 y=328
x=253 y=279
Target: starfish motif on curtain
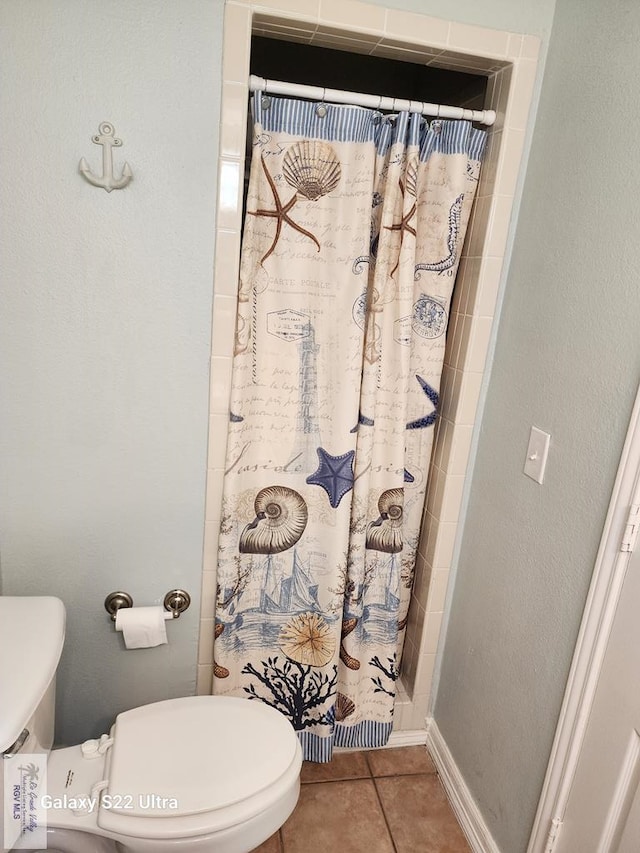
x=402 y=226
x=363 y=420
x=430 y=419
x=334 y=474
x=280 y=213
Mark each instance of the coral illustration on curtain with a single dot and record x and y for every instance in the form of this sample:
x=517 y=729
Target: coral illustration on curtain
x=354 y=226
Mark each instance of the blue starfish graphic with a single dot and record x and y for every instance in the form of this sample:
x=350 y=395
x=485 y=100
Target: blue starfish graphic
x=334 y=474
x=363 y=420
x=428 y=420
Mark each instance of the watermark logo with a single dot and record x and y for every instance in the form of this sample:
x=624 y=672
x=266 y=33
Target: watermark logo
x=25 y=781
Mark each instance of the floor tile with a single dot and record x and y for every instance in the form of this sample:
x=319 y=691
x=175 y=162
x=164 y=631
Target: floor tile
x=401 y=761
x=271 y=845
x=343 y=765
x=419 y=815
x=344 y=816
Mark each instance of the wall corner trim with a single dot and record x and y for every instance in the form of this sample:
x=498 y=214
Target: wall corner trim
x=462 y=801
x=591 y=645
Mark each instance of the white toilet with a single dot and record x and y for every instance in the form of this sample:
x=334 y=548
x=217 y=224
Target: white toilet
x=201 y=774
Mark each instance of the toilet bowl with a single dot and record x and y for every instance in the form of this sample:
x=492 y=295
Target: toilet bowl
x=200 y=774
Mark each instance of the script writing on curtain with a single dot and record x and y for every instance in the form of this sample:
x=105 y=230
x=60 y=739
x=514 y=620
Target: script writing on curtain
x=354 y=226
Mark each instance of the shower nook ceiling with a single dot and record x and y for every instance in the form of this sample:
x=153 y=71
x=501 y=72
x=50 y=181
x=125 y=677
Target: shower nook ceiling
x=334 y=68
x=461 y=65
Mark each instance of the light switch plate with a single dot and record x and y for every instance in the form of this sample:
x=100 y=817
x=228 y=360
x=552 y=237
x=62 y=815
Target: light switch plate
x=537 y=453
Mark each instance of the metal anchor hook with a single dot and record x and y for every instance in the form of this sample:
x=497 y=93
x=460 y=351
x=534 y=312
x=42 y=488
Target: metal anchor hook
x=108 y=182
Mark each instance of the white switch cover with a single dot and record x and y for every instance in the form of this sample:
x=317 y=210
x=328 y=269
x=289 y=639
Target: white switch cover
x=537 y=452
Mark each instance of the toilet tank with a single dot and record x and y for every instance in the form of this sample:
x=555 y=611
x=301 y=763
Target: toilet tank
x=31 y=640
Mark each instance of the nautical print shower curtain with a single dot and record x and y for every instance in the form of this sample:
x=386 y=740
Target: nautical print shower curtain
x=353 y=231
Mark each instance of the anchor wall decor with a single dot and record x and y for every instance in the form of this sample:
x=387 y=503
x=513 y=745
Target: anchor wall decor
x=108 y=182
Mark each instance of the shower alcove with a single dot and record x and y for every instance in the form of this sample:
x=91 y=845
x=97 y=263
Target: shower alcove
x=492 y=70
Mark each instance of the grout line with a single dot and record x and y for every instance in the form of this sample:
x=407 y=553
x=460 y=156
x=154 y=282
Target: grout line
x=384 y=815
x=369 y=767
x=332 y=781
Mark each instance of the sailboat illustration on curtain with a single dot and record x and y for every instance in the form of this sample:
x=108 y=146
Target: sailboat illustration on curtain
x=336 y=381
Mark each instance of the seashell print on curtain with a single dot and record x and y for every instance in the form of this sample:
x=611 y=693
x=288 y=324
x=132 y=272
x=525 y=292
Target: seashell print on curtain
x=353 y=232
x=281 y=517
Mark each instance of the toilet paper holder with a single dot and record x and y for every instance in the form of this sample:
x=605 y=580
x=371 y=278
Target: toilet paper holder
x=176 y=601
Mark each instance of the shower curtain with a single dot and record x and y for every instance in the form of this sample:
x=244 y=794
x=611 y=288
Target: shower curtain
x=353 y=229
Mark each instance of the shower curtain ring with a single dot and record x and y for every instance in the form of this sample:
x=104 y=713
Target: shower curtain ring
x=265 y=100
x=321 y=109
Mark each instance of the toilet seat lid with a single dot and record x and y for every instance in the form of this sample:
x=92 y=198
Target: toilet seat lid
x=196 y=754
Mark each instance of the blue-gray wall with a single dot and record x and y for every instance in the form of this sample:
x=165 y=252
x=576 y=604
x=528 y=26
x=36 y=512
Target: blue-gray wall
x=568 y=361
x=105 y=328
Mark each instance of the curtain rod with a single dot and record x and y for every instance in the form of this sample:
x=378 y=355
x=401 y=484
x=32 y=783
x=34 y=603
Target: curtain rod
x=361 y=99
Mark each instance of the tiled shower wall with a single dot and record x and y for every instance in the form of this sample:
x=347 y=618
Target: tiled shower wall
x=510 y=62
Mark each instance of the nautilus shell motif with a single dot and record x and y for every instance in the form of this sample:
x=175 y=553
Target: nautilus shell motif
x=281 y=517
x=312 y=168
x=307 y=639
x=344 y=707
x=385 y=533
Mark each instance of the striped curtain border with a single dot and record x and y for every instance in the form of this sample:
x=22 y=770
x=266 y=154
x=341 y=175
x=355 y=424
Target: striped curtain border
x=299 y=118
x=369 y=734
x=357 y=124
x=453 y=137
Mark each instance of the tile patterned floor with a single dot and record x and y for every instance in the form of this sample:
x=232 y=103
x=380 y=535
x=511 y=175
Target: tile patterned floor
x=383 y=801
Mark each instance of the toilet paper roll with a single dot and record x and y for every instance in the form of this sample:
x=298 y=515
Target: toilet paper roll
x=142 y=627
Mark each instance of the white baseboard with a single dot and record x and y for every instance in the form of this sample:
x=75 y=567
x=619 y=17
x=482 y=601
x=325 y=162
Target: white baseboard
x=463 y=804
x=413 y=738
x=418 y=737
